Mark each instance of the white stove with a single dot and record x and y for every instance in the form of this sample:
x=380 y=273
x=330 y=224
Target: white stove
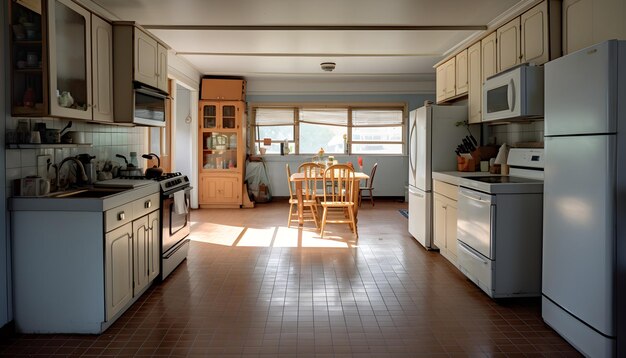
x=500 y=221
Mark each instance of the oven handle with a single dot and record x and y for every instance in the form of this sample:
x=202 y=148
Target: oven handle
x=470 y=195
x=171 y=193
x=471 y=253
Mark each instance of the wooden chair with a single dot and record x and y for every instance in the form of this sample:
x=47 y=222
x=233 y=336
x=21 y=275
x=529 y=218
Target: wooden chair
x=313 y=170
x=293 y=202
x=310 y=184
x=369 y=186
x=339 y=181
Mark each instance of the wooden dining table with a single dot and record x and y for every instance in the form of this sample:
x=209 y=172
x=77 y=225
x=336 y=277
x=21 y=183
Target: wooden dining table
x=298 y=178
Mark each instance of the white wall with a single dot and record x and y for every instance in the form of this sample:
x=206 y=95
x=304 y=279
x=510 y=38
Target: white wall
x=183 y=158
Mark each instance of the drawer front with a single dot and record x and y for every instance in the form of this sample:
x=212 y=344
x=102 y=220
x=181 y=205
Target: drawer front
x=445 y=189
x=118 y=216
x=146 y=205
x=476 y=267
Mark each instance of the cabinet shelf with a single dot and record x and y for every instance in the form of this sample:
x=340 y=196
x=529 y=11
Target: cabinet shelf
x=27 y=42
x=28 y=70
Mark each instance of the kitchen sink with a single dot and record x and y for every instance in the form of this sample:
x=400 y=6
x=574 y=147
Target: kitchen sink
x=87 y=193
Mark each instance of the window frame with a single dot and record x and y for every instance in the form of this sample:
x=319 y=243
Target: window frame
x=256 y=142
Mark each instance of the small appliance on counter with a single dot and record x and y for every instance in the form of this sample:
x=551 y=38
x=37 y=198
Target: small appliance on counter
x=33 y=186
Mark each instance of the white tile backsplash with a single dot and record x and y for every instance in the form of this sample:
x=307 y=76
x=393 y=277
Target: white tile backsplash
x=107 y=140
x=513 y=133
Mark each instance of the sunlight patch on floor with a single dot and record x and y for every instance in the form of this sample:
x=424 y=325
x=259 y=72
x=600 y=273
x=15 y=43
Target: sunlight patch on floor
x=257 y=237
x=216 y=234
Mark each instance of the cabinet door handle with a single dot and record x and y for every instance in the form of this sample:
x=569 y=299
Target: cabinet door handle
x=147 y=204
x=121 y=216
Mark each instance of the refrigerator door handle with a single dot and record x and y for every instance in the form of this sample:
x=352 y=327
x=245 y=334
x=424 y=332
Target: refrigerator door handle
x=415 y=192
x=511 y=95
x=411 y=146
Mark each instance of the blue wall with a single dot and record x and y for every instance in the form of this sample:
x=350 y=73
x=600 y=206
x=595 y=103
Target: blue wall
x=392 y=174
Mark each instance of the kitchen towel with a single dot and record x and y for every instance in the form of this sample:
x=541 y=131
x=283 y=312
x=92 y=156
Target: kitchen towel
x=179 y=202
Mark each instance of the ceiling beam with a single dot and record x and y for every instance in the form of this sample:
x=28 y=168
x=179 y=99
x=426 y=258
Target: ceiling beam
x=317 y=27
x=266 y=54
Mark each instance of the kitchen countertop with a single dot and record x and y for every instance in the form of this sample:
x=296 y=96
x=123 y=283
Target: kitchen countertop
x=454 y=177
x=82 y=204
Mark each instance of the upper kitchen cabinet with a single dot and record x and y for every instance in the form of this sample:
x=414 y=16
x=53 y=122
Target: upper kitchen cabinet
x=488 y=53
x=508 y=45
x=223 y=89
x=102 y=69
x=29 y=58
x=446 y=80
x=586 y=22
x=69 y=30
x=150 y=60
x=462 y=82
x=61 y=61
x=541 y=33
x=534 y=37
x=475 y=82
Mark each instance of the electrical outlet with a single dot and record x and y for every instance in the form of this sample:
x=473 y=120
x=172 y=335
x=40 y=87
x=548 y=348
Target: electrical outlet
x=42 y=165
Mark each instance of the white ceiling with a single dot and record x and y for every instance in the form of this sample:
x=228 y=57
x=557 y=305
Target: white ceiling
x=290 y=38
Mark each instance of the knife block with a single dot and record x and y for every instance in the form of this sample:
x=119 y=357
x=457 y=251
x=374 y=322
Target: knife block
x=464 y=164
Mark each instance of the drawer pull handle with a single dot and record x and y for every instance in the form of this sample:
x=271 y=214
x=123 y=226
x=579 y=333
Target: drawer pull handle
x=121 y=216
x=147 y=204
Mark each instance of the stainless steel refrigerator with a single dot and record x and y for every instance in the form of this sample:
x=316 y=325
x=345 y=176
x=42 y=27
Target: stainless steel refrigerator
x=584 y=198
x=433 y=137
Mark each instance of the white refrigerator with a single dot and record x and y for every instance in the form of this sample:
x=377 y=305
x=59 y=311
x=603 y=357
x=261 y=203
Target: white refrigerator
x=433 y=138
x=584 y=220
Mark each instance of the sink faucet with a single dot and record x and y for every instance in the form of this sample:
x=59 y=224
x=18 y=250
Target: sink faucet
x=79 y=167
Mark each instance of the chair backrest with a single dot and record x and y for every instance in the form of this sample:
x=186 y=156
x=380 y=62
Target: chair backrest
x=288 y=171
x=370 y=182
x=339 y=183
x=312 y=179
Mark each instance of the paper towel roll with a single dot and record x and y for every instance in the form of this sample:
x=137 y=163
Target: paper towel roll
x=503 y=154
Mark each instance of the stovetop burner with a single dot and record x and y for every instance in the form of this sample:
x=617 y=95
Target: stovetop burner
x=167 y=181
x=503 y=180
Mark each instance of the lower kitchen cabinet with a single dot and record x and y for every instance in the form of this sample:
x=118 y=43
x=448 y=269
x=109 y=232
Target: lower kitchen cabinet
x=220 y=190
x=445 y=215
x=118 y=270
x=78 y=265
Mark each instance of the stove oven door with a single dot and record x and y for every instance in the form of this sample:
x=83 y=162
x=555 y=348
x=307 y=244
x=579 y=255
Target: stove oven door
x=476 y=221
x=176 y=225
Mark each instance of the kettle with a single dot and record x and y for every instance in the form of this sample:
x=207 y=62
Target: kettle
x=155 y=171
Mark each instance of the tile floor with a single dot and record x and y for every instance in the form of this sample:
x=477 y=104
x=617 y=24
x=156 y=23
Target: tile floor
x=252 y=287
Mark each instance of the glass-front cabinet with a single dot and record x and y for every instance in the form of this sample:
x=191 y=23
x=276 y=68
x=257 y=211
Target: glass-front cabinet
x=221 y=153
x=220 y=125
x=29 y=95
x=50 y=59
x=69 y=31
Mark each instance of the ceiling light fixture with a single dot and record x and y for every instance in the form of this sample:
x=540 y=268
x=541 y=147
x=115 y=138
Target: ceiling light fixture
x=328 y=66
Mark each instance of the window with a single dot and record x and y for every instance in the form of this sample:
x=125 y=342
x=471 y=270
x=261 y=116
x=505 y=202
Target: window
x=377 y=131
x=323 y=128
x=277 y=124
x=337 y=129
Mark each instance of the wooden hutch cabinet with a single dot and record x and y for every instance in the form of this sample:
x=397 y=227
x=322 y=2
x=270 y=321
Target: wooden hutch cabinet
x=221 y=154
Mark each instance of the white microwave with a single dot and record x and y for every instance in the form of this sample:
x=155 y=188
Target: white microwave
x=516 y=93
